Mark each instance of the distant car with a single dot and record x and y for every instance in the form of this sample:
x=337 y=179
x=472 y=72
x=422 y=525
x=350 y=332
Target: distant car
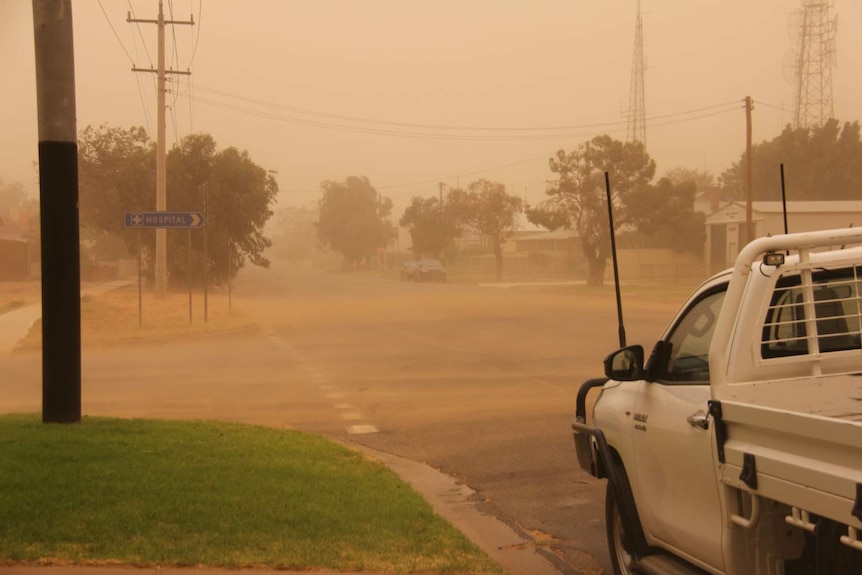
x=430 y=271
x=408 y=271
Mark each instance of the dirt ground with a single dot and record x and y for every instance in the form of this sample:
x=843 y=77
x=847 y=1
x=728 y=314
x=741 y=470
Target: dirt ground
x=19 y=294
x=119 y=317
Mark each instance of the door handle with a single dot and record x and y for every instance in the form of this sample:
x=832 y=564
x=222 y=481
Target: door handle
x=698 y=419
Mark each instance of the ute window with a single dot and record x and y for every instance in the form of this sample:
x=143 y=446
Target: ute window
x=688 y=360
x=836 y=326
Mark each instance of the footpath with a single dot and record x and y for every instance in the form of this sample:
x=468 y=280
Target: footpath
x=456 y=502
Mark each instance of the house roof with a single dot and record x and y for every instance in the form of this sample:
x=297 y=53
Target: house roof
x=812 y=207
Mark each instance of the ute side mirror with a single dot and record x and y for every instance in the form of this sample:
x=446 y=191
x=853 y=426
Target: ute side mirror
x=626 y=364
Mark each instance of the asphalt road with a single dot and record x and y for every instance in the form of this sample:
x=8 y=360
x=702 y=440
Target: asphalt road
x=479 y=382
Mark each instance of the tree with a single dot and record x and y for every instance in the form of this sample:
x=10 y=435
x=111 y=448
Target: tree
x=488 y=209
x=665 y=218
x=432 y=226
x=240 y=194
x=820 y=163
x=117 y=175
x=577 y=199
x=703 y=180
x=353 y=220
x=295 y=236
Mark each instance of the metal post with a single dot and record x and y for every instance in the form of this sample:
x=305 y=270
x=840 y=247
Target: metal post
x=783 y=198
x=206 y=254
x=229 y=279
x=190 y=276
x=749 y=222
x=140 y=303
x=58 y=203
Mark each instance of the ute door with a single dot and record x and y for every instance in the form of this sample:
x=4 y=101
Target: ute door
x=673 y=448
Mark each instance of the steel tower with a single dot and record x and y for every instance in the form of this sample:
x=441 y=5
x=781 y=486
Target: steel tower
x=812 y=31
x=636 y=128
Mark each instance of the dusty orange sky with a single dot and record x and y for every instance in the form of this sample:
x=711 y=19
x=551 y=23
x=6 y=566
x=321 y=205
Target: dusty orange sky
x=286 y=80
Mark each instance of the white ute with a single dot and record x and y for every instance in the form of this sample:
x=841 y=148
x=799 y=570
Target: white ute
x=737 y=447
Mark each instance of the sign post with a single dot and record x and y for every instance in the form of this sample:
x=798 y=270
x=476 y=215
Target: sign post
x=174 y=220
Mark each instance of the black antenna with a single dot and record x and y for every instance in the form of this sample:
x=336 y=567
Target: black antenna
x=622 y=329
x=783 y=199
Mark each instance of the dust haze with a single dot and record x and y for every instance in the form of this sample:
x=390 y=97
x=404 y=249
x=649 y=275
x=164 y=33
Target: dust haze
x=477 y=380
x=290 y=82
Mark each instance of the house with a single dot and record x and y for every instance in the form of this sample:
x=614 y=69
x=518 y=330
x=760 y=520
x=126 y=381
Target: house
x=543 y=241
x=726 y=229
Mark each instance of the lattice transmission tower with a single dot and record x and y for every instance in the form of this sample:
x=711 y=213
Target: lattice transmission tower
x=808 y=65
x=636 y=127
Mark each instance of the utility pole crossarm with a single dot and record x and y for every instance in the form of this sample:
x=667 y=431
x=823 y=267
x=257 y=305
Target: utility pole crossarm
x=154 y=71
x=131 y=20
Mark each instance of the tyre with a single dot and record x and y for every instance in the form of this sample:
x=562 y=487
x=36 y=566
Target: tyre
x=619 y=543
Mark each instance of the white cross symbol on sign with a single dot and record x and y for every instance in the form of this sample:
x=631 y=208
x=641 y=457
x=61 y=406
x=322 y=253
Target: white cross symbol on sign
x=137 y=219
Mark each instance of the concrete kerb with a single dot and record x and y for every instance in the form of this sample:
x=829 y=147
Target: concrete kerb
x=457 y=503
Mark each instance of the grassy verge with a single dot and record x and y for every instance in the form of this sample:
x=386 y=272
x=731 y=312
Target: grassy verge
x=145 y=493
x=112 y=318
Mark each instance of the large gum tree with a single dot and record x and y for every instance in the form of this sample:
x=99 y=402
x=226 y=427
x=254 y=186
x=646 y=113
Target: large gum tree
x=117 y=175
x=577 y=197
x=353 y=220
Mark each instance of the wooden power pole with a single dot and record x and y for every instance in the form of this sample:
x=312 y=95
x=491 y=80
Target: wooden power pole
x=161 y=270
x=58 y=204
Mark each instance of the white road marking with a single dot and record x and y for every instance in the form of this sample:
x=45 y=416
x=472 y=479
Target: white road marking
x=329 y=390
x=361 y=429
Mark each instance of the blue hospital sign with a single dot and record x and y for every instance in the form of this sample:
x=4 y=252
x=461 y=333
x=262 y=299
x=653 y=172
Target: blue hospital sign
x=164 y=220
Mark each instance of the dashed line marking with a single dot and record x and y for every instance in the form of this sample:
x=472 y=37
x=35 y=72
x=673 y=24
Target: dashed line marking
x=361 y=429
x=329 y=390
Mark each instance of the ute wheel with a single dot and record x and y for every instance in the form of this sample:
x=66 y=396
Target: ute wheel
x=618 y=541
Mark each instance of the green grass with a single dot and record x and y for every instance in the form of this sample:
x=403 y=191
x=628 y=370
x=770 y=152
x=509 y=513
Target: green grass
x=171 y=493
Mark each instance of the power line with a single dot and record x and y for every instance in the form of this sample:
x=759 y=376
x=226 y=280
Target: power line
x=176 y=55
x=197 y=33
x=137 y=81
x=775 y=107
x=117 y=36
x=438 y=126
x=453 y=136
x=473 y=173
x=140 y=33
